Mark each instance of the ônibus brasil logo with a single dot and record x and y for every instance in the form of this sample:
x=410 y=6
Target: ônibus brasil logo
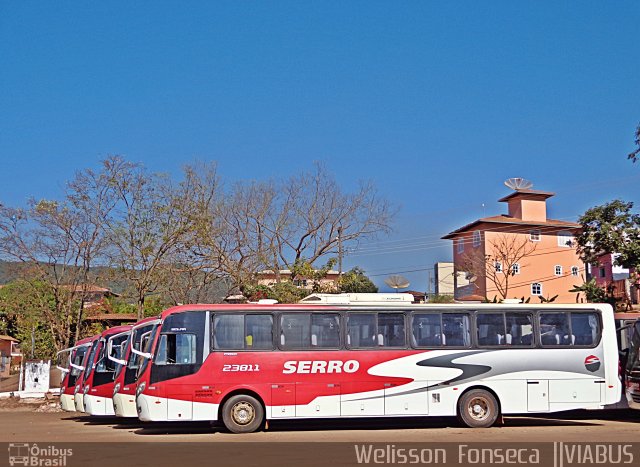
x=592 y=363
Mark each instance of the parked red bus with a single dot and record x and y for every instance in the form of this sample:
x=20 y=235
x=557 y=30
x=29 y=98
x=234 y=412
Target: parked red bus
x=98 y=381
x=72 y=370
x=126 y=376
x=244 y=364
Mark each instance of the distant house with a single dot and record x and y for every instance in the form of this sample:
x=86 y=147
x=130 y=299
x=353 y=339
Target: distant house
x=10 y=355
x=615 y=279
x=445 y=283
x=552 y=266
x=97 y=308
x=329 y=282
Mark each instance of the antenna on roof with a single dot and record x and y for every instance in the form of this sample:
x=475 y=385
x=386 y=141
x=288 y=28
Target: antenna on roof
x=518 y=183
x=397 y=282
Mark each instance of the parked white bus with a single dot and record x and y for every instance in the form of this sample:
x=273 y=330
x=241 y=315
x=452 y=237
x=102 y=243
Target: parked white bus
x=476 y=361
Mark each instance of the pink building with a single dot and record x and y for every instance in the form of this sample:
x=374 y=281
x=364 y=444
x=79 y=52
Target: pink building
x=519 y=254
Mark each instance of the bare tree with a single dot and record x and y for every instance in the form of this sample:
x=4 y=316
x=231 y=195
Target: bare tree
x=59 y=241
x=156 y=221
x=506 y=252
x=280 y=224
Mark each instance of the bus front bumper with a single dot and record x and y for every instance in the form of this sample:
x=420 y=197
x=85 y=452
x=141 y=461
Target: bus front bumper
x=124 y=405
x=67 y=403
x=98 y=405
x=78 y=400
x=151 y=409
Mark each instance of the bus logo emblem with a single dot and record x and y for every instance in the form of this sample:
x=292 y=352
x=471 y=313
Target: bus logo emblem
x=592 y=363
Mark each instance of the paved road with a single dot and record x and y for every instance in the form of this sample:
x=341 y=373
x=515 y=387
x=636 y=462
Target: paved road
x=603 y=426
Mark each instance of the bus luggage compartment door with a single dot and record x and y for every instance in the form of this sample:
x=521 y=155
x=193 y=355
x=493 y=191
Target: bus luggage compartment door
x=396 y=403
x=283 y=400
x=362 y=399
x=317 y=400
x=538 y=395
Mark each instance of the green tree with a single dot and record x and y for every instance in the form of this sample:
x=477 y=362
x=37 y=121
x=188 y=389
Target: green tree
x=355 y=281
x=30 y=306
x=610 y=228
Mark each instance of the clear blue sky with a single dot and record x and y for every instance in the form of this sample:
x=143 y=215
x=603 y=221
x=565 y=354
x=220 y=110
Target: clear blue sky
x=437 y=102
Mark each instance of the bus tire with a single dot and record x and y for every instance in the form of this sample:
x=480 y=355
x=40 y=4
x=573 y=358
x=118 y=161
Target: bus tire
x=478 y=409
x=242 y=414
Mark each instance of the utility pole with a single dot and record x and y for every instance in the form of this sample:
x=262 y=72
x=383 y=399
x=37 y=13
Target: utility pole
x=340 y=251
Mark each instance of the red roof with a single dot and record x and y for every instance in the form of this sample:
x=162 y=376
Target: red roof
x=504 y=219
x=8 y=338
x=527 y=194
x=113 y=317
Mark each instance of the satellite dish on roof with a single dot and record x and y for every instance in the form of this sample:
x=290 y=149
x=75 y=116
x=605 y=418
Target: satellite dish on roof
x=397 y=282
x=518 y=183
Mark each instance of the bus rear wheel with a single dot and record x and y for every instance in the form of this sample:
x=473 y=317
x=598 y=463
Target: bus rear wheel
x=478 y=409
x=242 y=414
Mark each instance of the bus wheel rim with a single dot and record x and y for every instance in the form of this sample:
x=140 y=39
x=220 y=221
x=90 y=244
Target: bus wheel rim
x=478 y=408
x=243 y=413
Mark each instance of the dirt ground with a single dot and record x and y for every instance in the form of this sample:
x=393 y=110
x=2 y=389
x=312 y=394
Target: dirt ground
x=22 y=423
x=113 y=441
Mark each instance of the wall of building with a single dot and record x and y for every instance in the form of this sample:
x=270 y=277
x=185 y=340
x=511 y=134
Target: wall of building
x=539 y=266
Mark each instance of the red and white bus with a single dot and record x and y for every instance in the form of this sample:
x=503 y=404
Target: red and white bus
x=98 y=382
x=244 y=364
x=73 y=368
x=126 y=376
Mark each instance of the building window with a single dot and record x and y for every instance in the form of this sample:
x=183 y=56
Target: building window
x=477 y=238
x=536 y=288
x=558 y=270
x=534 y=235
x=460 y=245
x=603 y=272
x=574 y=271
x=565 y=239
x=515 y=268
x=498 y=266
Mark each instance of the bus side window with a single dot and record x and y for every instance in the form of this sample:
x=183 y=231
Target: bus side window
x=456 y=331
x=325 y=330
x=228 y=332
x=361 y=330
x=491 y=329
x=259 y=332
x=295 y=331
x=585 y=328
x=519 y=329
x=176 y=349
x=426 y=330
x=391 y=331
x=554 y=329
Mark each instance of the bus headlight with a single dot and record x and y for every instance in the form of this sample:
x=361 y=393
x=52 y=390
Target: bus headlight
x=116 y=388
x=140 y=388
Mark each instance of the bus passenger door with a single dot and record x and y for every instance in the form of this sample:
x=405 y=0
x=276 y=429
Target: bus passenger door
x=283 y=400
x=538 y=395
x=397 y=403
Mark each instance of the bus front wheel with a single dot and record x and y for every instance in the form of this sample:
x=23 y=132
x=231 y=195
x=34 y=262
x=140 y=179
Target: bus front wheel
x=478 y=409
x=242 y=414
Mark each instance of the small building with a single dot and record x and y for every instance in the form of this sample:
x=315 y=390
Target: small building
x=10 y=355
x=445 y=283
x=328 y=283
